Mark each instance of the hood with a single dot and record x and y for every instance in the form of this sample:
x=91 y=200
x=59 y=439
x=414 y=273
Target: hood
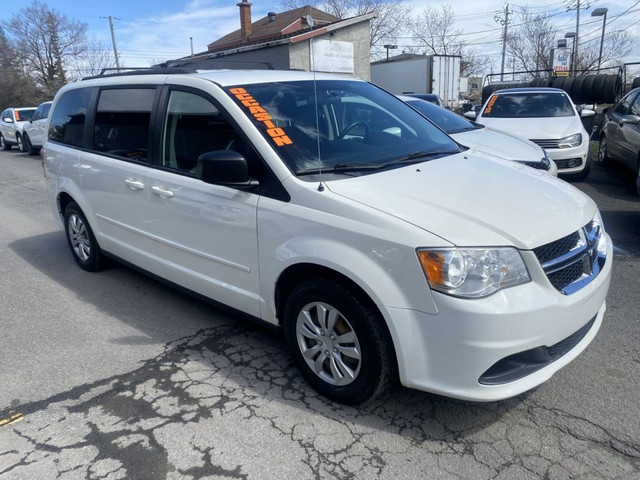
x=536 y=128
x=472 y=200
x=501 y=144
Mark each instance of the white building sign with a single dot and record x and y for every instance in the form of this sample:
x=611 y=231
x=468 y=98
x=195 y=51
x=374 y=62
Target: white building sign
x=561 y=59
x=332 y=56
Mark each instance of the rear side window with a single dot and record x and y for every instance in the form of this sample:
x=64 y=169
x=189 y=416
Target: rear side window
x=122 y=122
x=68 y=118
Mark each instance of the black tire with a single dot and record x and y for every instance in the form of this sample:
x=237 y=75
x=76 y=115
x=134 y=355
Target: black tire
x=598 y=88
x=567 y=84
x=603 y=155
x=636 y=82
x=20 y=143
x=307 y=329
x=82 y=242
x=587 y=89
x=612 y=89
x=576 y=90
x=557 y=82
x=4 y=145
x=28 y=147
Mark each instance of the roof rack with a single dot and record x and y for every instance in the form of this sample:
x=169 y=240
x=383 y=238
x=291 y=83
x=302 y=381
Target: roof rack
x=184 y=65
x=108 y=72
x=215 y=63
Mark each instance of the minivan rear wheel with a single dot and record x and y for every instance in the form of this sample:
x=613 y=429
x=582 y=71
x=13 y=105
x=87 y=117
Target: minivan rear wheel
x=81 y=240
x=339 y=342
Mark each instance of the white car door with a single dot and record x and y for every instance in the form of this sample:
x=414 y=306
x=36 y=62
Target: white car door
x=114 y=175
x=202 y=236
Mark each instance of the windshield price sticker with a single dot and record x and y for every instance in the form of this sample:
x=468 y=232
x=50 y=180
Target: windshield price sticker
x=276 y=133
x=492 y=101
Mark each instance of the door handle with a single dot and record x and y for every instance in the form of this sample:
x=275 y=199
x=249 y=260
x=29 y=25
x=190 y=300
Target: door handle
x=162 y=191
x=134 y=184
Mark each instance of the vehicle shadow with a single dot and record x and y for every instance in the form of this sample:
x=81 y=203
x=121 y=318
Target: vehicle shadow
x=252 y=361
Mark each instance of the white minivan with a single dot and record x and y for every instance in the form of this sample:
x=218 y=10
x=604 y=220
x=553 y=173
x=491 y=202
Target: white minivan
x=329 y=208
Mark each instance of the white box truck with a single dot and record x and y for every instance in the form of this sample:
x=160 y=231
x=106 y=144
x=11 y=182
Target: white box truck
x=410 y=73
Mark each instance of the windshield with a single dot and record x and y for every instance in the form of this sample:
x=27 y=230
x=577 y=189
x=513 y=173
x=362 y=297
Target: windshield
x=354 y=126
x=447 y=120
x=528 y=105
x=24 y=114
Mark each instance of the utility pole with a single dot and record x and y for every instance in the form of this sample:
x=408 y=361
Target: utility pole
x=504 y=23
x=113 y=42
x=575 y=40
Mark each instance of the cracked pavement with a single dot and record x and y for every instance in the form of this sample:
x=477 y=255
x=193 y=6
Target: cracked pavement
x=227 y=402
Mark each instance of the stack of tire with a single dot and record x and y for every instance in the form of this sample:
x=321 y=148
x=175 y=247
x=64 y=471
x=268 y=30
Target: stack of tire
x=582 y=89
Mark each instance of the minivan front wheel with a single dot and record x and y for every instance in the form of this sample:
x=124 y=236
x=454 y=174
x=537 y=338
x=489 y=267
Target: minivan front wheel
x=340 y=343
x=81 y=240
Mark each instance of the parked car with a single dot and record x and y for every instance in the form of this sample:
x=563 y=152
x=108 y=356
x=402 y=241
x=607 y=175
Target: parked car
x=547 y=117
x=429 y=97
x=34 y=133
x=11 y=123
x=483 y=139
x=328 y=208
x=620 y=134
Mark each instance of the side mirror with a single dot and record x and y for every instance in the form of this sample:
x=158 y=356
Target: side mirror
x=587 y=112
x=7 y=120
x=470 y=115
x=630 y=119
x=225 y=167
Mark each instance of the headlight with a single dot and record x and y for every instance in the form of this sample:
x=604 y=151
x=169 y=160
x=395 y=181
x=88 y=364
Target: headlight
x=472 y=272
x=570 y=141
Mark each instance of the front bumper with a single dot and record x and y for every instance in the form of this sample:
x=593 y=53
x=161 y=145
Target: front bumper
x=449 y=352
x=570 y=160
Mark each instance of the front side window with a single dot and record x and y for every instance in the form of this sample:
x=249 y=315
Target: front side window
x=68 y=118
x=528 y=105
x=193 y=126
x=447 y=120
x=635 y=108
x=340 y=126
x=122 y=122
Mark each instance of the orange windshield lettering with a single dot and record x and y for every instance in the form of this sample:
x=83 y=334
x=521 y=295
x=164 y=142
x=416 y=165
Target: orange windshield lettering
x=277 y=134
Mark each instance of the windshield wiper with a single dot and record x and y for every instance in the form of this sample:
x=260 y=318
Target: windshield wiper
x=420 y=156
x=415 y=157
x=342 y=167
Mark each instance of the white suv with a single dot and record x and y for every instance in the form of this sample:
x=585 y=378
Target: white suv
x=12 y=121
x=331 y=209
x=33 y=131
x=547 y=117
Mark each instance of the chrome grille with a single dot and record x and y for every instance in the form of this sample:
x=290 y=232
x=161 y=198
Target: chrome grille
x=573 y=261
x=546 y=142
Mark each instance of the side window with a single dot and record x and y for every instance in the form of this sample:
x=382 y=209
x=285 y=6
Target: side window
x=122 y=122
x=635 y=108
x=67 y=123
x=193 y=126
x=625 y=106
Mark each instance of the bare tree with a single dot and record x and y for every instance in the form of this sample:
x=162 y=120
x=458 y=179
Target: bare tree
x=391 y=15
x=435 y=32
x=530 y=40
x=617 y=45
x=92 y=61
x=46 y=42
x=16 y=88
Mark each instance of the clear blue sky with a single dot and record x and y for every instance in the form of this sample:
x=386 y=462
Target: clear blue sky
x=148 y=31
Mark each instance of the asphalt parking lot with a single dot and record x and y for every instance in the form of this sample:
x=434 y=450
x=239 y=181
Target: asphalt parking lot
x=114 y=375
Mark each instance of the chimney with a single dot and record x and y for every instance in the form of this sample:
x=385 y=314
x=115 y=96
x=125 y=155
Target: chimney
x=245 y=19
x=272 y=16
